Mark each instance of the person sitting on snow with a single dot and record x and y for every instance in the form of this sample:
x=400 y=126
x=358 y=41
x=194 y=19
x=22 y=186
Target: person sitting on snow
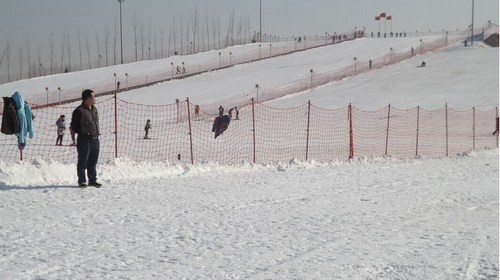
x=221 y=123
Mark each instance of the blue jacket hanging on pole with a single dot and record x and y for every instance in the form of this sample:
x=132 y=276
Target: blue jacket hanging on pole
x=25 y=124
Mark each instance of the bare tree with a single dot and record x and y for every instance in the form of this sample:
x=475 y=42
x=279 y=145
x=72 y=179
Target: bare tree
x=106 y=43
x=187 y=36
x=169 y=40
x=156 y=52
x=28 y=58
x=98 y=49
x=142 y=39
x=161 y=44
x=230 y=30
x=8 y=61
x=80 y=47
x=115 y=39
x=175 y=34
x=214 y=28
x=207 y=28
x=239 y=28
x=149 y=41
x=202 y=39
x=87 y=45
x=69 y=49
x=134 y=25
x=51 y=51
x=181 y=38
x=195 y=25
x=4 y=53
x=218 y=27
x=21 y=58
x=63 y=50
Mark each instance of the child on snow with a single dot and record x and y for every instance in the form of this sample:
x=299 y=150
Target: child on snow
x=196 y=111
x=147 y=128
x=61 y=127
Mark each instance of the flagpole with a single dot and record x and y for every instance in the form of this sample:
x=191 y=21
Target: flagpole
x=385 y=26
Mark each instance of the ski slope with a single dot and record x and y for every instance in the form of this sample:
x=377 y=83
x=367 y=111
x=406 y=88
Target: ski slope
x=366 y=218
x=462 y=77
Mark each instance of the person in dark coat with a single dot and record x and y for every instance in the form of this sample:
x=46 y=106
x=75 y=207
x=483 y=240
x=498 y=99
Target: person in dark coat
x=85 y=122
x=221 y=123
x=221 y=111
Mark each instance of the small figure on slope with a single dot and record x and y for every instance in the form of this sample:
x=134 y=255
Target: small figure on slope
x=147 y=128
x=61 y=127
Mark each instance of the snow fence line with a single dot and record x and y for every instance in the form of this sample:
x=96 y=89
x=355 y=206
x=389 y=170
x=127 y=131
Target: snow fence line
x=260 y=133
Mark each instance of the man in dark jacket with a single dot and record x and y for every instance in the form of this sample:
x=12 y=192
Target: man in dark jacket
x=85 y=122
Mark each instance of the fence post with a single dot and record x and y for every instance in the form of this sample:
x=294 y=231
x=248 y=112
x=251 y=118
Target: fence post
x=351 y=140
x=253 y=128
x=418 y=123
x=446 y=108
x=474 y=128
x=116 y=127
x=308 y=119
x=190 y=132
x=498 y=132
x=387 y=135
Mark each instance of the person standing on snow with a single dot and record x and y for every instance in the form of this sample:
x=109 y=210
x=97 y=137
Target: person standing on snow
x=61 y=127
x=85 y=122
x=147 y=128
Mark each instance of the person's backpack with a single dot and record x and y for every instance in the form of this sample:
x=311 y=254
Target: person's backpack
x=10 y=120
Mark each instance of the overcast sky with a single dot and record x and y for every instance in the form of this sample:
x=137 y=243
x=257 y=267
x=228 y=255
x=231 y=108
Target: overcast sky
x=33 y=21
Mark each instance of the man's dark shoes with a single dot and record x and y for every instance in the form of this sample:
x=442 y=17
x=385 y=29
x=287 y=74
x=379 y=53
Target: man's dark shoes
x=95 y=184
x=82 y=185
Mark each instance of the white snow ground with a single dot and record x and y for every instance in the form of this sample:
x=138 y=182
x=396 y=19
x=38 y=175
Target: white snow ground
x=367 y=219
x=377 y=218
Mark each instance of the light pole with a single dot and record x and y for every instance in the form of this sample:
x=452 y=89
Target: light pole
x=260 y=52
x=391 y=56
x=126 y=82
x=230 y=56
x=270 y=47
x=421 y=47
x=183 y=69
x=257 y=87
x=311 y=77
x=326 y=38
x=121 y=32
x=40 y=70
x=472 y=26
x=355 y=66
x=191 y=47
x=115 y=80
x=171 y=63
x=220 y=60
x=59 y=88
x=47 y=90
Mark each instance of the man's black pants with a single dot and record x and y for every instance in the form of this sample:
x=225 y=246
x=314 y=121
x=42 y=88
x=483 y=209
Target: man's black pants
x=88 y=153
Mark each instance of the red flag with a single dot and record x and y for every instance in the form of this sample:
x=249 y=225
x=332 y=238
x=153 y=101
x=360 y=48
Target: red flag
x=389 y=18
x=382 y=15
x=377 y=18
